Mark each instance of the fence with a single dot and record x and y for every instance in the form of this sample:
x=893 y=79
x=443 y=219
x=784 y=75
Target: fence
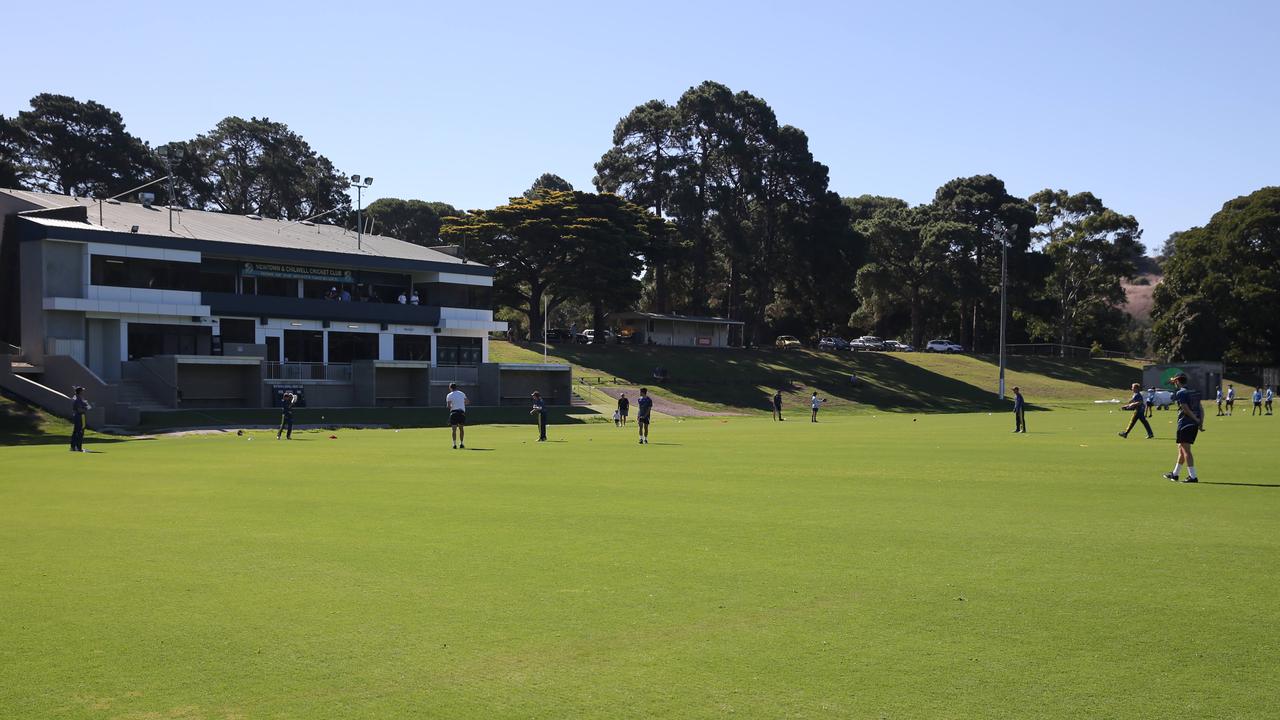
x=336 y=372
x=1067 y=351
x=461 y=374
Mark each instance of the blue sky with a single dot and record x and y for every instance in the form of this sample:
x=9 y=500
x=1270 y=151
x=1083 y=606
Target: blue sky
x=1163 y=109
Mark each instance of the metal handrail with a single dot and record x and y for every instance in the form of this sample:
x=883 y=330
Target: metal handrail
x=336 y=372
x=13 y=350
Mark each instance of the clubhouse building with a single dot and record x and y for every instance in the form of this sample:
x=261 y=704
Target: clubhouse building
x=153 y=308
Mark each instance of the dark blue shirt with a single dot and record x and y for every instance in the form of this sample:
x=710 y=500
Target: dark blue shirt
x=1190 y=398
x=645 y=403
x=79 y=407
x=1017 y=401
x=539 y=406
x=1137 y=402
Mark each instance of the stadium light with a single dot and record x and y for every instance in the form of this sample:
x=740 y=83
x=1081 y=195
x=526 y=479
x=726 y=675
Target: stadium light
x=359 y=186
x=170 y=153
x=1007 y=233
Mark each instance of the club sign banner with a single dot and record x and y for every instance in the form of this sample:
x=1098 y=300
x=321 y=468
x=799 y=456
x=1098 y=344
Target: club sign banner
x=296 y=272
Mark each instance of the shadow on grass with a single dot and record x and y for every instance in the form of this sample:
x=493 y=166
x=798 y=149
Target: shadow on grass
x=346 y=417
x=736 y=377
x=1095 y=371
x=21 y=424
x=1266 y=485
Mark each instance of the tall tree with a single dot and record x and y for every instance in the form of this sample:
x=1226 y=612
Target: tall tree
x=641 y=167
x=547 y=181
x=260 y=166
x=11 y=175
x=414 y=221
x=1220 y=290
x=1092 y=248
x=67 y=146
x=558 y=245
x=982 y=203
x=907 y=267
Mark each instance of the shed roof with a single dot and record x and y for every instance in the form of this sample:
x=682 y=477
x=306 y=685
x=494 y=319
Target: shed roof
x=678 y=318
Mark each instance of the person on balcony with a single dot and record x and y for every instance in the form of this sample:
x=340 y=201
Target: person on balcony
x=403 y=300
x=413 y=299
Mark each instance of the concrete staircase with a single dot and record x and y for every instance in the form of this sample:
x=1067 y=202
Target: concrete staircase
x=136 y=395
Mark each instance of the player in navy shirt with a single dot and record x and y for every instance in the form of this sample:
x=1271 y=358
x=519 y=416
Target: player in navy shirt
x=540 y=410
x=1019 y=412
x=1190 y=422
x=644 y=407
x=79 y=407
x=1138 y=406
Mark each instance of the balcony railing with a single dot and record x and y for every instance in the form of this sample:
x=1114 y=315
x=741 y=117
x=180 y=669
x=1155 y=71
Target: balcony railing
x=461 y=374
x=334 y=372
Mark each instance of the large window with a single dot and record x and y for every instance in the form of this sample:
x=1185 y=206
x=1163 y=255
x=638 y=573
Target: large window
x=345 y=347
x=146 y=340
x=235 y=330
x=475 y=297
x=217 y=276
x=413 y=347
x=458 y=350
x=304 y=346
x=110 y=271
x=277 y=287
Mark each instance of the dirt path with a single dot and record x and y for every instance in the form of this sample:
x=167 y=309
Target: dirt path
x=660 y=404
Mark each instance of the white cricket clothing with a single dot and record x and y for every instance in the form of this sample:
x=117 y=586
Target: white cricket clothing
x=456 y=400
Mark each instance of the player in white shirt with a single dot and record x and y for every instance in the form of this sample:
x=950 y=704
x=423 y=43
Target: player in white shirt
x=815 y=402
x=457 y=402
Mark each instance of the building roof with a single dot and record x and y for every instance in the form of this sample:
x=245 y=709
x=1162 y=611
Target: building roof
x=678 y=318
x=225 y=228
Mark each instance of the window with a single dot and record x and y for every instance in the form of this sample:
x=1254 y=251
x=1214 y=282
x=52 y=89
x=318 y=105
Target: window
x=111 y=271
x=475 y=297
x=277 y=287
x=458 y=351
x=413 y=347
x=146 y=340
x=303 y=346
x=234 y=330
x=345 y=347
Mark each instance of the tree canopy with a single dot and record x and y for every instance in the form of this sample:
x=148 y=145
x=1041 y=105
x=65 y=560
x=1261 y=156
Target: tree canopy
x=558 y=245
x=1221 y=289
x=68 y=146
x=415 y=221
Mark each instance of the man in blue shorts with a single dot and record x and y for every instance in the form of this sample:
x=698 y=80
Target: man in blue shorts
x=644 y=408
x=1257 y=402
x=1019 y=412
x=1190 y=423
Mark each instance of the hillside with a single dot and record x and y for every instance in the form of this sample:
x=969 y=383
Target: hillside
x=22 y=424
x=742 y=380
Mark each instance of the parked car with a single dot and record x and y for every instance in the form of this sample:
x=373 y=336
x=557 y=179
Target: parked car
x=833 y=343
x=786 y=342
x=896 y=346
x=867 y=342
x=556 y=335
x=587 y=337
x=943 y=346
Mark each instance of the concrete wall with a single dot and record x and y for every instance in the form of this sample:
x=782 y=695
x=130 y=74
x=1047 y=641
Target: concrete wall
x=31 y=292
x=64 y=269
x=208 y=385
x=517 y=385
x=1203 y=377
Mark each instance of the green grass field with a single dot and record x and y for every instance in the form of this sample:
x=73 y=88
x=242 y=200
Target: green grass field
x=873 y=566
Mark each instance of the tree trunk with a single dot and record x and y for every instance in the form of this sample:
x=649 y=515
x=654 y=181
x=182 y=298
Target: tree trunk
x=917 y=331
x=534 y=313
x=661 y=293
x=597 y=320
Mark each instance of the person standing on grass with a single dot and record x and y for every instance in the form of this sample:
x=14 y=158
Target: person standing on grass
x=1190 y=423
x=814 y=404
x=79 y=406
x=1231 y=399
x=645 y=405
x=1270 y=394
x=624 y=408
x=456 y=401
x=287 y=401
x=1138 y=406
x=1019 y=411
x=777 y=406
x=1257 y=402
x=539 y=410
x=1151 y=402
x=1219 y=399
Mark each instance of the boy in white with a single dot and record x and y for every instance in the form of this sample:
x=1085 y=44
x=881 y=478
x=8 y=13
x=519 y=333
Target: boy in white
x=457 y=402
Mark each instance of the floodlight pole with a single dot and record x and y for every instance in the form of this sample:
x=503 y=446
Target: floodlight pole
x=359 y=186
x=1005 y=235
x=544 y=329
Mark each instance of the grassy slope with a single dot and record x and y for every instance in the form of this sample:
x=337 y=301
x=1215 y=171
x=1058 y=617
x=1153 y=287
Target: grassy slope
x=743 y=380
x=864 y=567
